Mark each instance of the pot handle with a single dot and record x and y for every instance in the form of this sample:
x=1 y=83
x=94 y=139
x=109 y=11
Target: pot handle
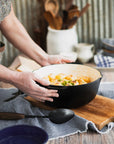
x=93 y=49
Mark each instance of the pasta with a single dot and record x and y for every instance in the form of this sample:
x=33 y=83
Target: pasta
x=66 y=80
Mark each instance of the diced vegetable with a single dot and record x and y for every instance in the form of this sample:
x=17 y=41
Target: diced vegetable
x=67 y=80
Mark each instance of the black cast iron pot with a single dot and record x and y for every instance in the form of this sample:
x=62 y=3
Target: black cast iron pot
x=72 y=96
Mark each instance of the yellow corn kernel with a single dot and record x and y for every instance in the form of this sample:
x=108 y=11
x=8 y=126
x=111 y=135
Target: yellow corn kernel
x=68 y=77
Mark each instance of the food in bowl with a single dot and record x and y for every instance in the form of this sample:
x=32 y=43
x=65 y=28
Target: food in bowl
x=62 y=79
x=72 y=96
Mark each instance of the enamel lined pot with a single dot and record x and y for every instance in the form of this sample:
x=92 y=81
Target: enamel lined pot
x=72 y=96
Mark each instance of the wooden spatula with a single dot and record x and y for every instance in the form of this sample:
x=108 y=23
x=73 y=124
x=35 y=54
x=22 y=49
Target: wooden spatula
x=68 y=4
x=84 y=9
x=72 y=22
x=54 y=22
x=50 y=19
x=58 y=22
x=73 y=13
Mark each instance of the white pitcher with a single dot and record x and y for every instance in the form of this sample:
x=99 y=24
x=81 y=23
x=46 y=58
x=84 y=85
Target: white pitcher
x=85 y=52
x=61 y=41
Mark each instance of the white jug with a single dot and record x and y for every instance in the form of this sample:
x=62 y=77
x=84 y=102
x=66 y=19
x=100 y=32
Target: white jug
x=85 y=52
x=61 y=41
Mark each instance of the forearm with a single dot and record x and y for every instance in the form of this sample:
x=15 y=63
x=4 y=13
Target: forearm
x=13 y=30
x=7 y=75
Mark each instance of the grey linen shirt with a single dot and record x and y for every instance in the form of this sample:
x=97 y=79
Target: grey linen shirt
x=5 y=8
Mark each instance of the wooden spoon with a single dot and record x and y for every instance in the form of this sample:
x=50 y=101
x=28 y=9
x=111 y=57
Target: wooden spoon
x=84 y=9
x=65 y=16
x=72 y=22
x=58 y=22
x=73 y=7
x=68 y=4
x=57 y=116
x=54 y=22
x=72 y=13
x=50 y=19
x=52 y=6
x=70 y=17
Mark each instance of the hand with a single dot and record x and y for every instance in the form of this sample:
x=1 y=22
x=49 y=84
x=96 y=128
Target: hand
x=25 y=81
x=57 y=59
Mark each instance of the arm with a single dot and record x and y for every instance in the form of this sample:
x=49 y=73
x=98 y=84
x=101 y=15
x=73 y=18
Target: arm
x=14 y=31
x=25 y=81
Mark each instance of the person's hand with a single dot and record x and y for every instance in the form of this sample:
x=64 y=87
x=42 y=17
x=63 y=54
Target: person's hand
x=57 y=59
x=26 y=82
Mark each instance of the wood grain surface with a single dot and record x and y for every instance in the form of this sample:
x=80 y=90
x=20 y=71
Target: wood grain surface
x=100 y=110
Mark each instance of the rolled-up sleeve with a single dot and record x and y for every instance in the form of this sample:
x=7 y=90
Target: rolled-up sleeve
x=5 y=8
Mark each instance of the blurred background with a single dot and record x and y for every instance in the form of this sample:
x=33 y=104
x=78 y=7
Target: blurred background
x=95 y=24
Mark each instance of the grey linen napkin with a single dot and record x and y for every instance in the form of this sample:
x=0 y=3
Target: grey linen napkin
x=75 y=125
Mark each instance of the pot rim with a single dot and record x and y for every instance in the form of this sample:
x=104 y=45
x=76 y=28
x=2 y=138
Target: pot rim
x=63 y=30
x=64 y=87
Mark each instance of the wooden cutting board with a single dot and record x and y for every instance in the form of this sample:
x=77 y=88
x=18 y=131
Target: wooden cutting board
x=100 y=110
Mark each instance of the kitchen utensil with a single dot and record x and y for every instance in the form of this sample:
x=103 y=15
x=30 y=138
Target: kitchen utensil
x=54 y=22
x=50 y=19
x=58 y=22
x=57 y=116
x=73 y=7
x=72 y=96
x=69 y=23
x=73 y=13
x=70 y=17
x=65 y=16
x=108 y=44
x=84 y=9
x=100 y=110
x=23 y=134
x=72 y=22
x=52 y=6
x=68 y=4
x=16 y=94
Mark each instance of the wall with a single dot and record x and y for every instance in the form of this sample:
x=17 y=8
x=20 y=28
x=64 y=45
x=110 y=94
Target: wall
x=26 y=11
x=97 y=23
